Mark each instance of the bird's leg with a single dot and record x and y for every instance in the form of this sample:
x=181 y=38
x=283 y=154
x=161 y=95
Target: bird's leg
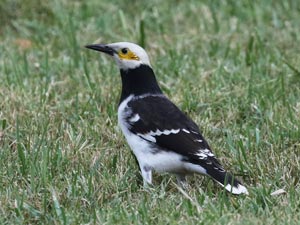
x=147 y=175
x=181 y=181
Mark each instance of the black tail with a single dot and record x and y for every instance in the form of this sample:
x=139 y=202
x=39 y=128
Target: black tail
x=226 y=180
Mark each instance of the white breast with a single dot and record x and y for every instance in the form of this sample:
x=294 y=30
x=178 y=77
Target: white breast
x=137 y=144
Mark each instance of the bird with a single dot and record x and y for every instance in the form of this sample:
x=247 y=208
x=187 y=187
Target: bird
x=161 y=136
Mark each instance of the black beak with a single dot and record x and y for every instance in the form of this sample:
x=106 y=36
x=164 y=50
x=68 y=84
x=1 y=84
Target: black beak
x=102 y=48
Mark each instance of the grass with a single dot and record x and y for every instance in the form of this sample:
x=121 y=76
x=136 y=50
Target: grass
x=233 y=66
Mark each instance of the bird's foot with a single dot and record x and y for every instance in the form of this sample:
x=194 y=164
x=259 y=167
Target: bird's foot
x=181 y=181
x=147 y=176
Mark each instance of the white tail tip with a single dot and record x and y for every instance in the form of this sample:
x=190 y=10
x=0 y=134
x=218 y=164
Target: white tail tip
x=240 y=189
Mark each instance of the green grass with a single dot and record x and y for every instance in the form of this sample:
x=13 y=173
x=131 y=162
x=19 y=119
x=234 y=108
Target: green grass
x=233 y=66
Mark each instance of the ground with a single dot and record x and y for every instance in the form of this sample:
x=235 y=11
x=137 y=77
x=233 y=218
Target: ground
x=233 y=66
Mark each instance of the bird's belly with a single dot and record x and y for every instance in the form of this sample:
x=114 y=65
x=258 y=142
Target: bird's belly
x=159 y=160
x=164 y=162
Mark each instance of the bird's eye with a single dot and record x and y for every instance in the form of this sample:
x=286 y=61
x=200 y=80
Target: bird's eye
x=124 y=50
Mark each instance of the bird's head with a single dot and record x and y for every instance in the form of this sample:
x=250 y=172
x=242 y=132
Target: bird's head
x=126 y=54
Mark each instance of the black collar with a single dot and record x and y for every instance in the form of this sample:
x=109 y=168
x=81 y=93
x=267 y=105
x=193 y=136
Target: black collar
x=139 y=81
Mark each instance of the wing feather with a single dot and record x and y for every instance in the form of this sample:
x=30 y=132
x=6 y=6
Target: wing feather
x=161 y=122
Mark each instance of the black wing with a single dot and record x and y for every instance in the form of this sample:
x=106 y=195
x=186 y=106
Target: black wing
x=161 y=121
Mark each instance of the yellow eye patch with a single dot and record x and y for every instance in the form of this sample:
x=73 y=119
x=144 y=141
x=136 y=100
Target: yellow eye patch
x=125 y=53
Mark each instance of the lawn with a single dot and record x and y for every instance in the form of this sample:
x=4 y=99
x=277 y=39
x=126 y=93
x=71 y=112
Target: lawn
x=233 y=66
